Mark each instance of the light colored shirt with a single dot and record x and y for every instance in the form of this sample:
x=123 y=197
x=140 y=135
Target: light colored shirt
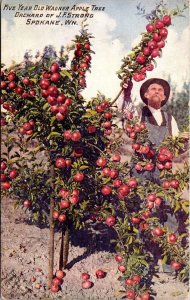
x=158 y=117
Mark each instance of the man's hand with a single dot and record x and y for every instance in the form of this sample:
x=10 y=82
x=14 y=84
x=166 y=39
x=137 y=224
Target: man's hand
x=126 y=83
x=127 y=86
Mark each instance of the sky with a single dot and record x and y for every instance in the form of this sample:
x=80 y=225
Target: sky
x=116 y=29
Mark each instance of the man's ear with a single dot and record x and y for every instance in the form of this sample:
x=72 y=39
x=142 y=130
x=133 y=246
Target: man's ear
x=164 y=98
x=145 y=95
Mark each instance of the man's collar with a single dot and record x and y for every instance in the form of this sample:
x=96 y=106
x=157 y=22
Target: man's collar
x=153 y=110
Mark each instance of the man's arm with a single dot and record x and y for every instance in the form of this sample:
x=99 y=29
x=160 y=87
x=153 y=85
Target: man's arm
x=176 y=132
x=175 y=129
x=125 y=103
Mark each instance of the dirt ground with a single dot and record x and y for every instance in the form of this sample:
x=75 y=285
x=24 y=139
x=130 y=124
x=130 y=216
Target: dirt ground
x=25 y=248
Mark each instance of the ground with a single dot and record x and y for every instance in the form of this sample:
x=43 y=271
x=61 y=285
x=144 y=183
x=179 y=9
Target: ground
x=25 y=249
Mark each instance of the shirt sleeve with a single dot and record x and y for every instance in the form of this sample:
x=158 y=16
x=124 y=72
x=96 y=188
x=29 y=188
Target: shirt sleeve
x=125 y=105
x=175 y=129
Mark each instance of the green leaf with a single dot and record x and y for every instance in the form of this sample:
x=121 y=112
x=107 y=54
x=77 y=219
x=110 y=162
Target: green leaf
x=83 y=167
x=135 y=230
x=11 y=161
x=164 y=259
x=90 y=113
x=45 y=106
x=130 y=240
x=185 y=208
x=37 y=149
x=177 y=206
x=106 y=180
x=65 y=73
x=32 y=68
x=52 y=120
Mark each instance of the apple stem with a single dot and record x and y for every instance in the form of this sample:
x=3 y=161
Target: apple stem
x=51 y=226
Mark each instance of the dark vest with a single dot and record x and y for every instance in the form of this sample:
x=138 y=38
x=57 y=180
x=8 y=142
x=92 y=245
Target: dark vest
x=156 y=133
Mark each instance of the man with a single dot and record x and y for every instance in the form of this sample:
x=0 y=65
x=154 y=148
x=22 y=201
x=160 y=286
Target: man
x=155 y=93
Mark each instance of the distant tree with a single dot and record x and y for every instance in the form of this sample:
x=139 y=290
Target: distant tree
x=179 y=106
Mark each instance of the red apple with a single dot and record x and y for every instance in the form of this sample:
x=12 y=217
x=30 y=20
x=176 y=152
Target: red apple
x=13 y=174
x=114 y=173
x=56 y=281
x=3 y=166
x=158 y=231
x=158 y=201
x=55 y=214
x=129 y=282
x=60 y=274
x=166 y=184
x=54 y=288
x=172 y=238
x=101 y=162
x=110 y=221
x=122 y=268
x=63 y=109
x=124 y=190
x=85 y=276
x=106 y=190
x=76 y=136
x=55 y=77
x=117 y=183
x=27 y=203
x=5 y=185
x=100 y=274
x=60 y=163
x=176 y=265
x=150 y=27
x=174 y=183
x=159 y=24
x=67 y=135
x=130 y=294
x=136 y=279
x=26 y=81
x=64 y=204
x=151 y=197
x=166 y=20
x=135 y=220
x=62 y=218
x=149 y=67
x=54 y=68
x=79 y=176
x=87 y=284
x=132 y=182
x=154 y=53
x=118 y=258
x=106 y=172
x=61 y=98
x=91 y=129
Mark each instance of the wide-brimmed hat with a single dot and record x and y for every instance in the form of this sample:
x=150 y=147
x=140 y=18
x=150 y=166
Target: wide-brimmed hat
x=147 y=83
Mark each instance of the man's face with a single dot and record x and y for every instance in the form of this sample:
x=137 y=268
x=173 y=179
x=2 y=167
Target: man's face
x=155 y=95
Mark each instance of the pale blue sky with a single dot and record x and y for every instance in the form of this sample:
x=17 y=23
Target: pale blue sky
x=123 y=11
x=115 y=30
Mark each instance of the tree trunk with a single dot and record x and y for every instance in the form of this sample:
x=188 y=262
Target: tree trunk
x=61 y=251
x=65 y=247
x=51 y=239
